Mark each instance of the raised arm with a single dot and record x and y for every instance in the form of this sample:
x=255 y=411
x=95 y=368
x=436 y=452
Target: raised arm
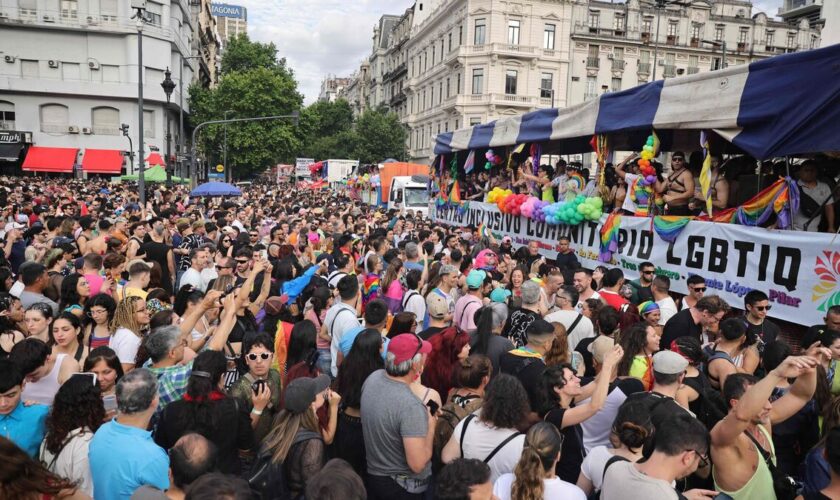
x=619 y=169
x=599 y=392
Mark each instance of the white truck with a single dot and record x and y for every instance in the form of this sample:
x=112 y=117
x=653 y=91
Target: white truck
x=410 y=193
x=339 y=170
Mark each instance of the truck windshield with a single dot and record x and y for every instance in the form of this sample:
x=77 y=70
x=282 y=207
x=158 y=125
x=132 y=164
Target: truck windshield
x=416 y=197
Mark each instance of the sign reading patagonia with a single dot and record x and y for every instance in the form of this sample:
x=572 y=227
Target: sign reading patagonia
x=799 y=271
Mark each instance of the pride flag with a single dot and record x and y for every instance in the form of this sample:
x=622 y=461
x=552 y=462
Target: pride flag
x=455 y=194
x=706 y=173
x=609 y=237
x=469 y=164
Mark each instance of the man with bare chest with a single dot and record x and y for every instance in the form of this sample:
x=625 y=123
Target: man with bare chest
x=679 y=186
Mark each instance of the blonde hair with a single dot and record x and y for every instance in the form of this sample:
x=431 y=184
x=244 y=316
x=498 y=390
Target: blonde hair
x=559 y=352
x=284 y=430
x=542 y=446
x=222 y=282
x=124 y=316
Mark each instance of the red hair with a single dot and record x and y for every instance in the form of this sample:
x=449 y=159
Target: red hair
x=442 y=363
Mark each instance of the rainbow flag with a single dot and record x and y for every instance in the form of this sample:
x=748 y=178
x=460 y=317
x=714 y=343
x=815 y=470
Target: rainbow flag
x=469 y=164
x=656 y=143
x=370 y=288
x=781 y=198
x=706 y=173
x=578 y=179
x=517 y=150
x=609 y=237
x=483 y=232
x=669 y=227
x=455 y=194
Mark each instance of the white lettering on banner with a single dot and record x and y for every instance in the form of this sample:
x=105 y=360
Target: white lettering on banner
x=799 y=271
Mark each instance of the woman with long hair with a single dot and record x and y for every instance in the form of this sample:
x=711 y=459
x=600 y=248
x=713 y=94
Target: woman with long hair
x=534 y=477
x=487 y=338
x=559 y=352
x=640 y=342
x=302 y=356
x=817 y=471
x=7 y=279
x=403 y=322
x=371 y=288
x=295 y=441
x=100 y=309
x=505 y=408
x=315 y=311
x=24 y=478
x=68 y=337
x=449 y=347
x=559 y=402
x=630 y=431
x=37 y=320
x=11 y=313
x=364 y=358
x=75 y=290
x=591 y=308
x=76 y=413
x=208 y=411
x=103 y=361
x=131 y=320
x=517 y=277
x=55 y=264
x=10 y=333
x=392 y=286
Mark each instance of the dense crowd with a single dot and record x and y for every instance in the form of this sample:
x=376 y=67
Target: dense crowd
x=295 y=344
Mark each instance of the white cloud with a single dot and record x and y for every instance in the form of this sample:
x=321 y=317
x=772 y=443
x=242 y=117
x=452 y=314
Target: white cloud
x=318 y=37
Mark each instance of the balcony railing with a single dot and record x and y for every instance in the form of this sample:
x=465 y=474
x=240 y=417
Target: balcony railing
x=618 y=65
x=7 y=125
x=694 y=42
x=644 y=68
x=691 y=70
x=593 y=62
x=669 y=71
x=523 y=50
x=672 y=40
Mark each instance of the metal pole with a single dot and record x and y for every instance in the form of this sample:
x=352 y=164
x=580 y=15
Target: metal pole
x=656 y=39
x=168 y=147
x=141 y=180
x=723 y=54
x=552 y=98
x=181 y=111
x=224 y=160
x=295 y=116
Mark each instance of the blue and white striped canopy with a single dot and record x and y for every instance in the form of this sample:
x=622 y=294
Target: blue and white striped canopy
x=783 y=105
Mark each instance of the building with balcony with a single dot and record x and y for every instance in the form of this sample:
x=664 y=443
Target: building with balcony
x=69 y=78
x=378 y=61
x=793 y=11
x=473 y=61
x=332 y=87
x=206 y=42
x=357 y=90
x=614 y=46
x=231 y=20
x=396 y=65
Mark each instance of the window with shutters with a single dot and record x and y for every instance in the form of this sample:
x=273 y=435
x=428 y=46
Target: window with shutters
x=769 y=36
x=105 y=121
x=55 y=118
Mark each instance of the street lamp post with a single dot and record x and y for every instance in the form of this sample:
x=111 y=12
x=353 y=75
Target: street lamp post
x=722 y=45
x=193 y=167
x=224 y=153
x=168 y=86
x=181 y=134
x=124 y=130
x=140 y=7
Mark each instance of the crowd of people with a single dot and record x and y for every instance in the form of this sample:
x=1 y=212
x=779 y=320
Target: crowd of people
x=296 y=344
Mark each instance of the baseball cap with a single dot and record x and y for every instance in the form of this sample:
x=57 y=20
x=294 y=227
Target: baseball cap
x=14 y=225
x=500 y=294
x=475 y=279
x=530 y=292
x=600 y=347
x=406 y=346
x=437 y=306
x=669 y=363
x=301 y=392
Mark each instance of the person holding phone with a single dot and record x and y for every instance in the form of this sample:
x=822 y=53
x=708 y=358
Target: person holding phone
x=105 y=364
x=259 y=389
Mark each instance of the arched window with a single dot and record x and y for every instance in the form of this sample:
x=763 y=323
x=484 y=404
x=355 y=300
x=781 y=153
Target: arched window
x=7 y=116
x=55 y=118
x=105 y=121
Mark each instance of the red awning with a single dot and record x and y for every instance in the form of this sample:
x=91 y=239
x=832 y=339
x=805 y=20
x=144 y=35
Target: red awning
x=43 y=159
x=155 y=159
x=102 y=161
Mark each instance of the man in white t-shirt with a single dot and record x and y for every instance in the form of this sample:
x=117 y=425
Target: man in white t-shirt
x=583 y=285
x=818 y=192
x=578 y=326
x=667 y=307
x=192 y=276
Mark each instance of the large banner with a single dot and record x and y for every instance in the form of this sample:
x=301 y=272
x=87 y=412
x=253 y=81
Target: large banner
x=799 y=271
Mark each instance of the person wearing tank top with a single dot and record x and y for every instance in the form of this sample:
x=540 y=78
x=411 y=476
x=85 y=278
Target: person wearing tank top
x=43 y=382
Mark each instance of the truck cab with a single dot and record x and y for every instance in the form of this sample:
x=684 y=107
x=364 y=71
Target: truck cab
x=410 y=193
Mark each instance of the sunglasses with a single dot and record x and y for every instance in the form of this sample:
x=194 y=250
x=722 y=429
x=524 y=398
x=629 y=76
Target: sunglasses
x=263 y=356
x=762 y=308
x=699 y=289
x=647 y=272
x=241 y=261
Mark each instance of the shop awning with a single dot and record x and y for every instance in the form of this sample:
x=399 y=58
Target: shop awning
x=155 y=159
x=43 y=159
x=10 y=152
x=102 y=161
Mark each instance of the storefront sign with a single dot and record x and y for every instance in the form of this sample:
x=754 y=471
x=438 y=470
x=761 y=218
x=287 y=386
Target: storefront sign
x=799 y=271
x=225 y=10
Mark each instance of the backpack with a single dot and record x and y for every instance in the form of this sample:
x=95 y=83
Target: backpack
x=452 y=412
x=267 y=479
x=596 y=494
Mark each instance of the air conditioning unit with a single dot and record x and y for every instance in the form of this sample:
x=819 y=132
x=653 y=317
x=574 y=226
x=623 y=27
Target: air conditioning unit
x=610 y=57
x=93 y=65
x=73 y=129
x=10 y=59
x=52 y=63
x=87 y=130
x=92 y=20
x=49 y=19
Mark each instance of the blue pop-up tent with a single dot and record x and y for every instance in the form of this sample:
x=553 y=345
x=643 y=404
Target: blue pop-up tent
x=783 y=105
x=216 y=189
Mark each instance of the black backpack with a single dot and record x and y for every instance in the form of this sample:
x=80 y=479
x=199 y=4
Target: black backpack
x=267 y=479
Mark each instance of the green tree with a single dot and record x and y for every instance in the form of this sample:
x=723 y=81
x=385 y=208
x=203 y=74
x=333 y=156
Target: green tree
x=326 y=129
x=254 y=83
x=378 y=135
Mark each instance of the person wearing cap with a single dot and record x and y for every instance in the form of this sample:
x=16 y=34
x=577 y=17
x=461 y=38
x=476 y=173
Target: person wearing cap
x=437 y=310
x=303 y=456
x=678 y=188
x=500 y=295
x=668 y=374
x=478 y=283
x=14 y=246
x=520 y=319
x=398 y=427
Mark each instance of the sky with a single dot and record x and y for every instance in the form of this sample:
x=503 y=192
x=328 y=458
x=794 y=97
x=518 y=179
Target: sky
x=321 y=37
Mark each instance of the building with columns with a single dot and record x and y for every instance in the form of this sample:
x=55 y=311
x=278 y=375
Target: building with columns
x=69 y=80
x=473 y=61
